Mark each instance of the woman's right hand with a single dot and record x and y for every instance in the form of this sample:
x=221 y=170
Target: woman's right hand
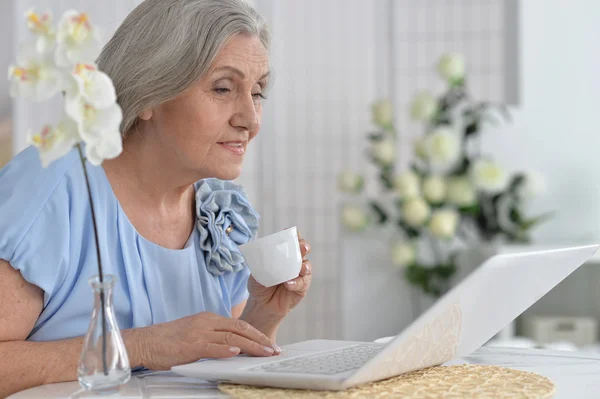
x=203 y=335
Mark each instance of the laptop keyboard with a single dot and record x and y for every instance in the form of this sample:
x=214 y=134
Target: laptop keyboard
x=334 y=362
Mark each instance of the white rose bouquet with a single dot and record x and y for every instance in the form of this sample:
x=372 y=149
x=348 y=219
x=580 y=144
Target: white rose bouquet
x=453 y=196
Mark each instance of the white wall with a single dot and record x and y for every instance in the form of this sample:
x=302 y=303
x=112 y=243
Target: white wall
x=556 y=129
x=6 y=54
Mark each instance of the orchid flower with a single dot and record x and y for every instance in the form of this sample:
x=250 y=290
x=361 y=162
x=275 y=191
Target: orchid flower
x=92 y=105
x=41 y=26
x=54 y=142
x=35 y=76
x=77 y=39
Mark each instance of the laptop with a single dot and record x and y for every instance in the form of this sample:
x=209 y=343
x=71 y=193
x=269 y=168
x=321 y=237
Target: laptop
x=460 y=322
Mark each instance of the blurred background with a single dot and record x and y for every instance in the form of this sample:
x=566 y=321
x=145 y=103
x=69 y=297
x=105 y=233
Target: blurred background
x=324 y=147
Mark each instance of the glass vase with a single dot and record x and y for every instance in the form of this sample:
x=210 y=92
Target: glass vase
x=103 y=364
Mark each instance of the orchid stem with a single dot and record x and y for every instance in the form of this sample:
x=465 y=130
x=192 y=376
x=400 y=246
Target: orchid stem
x=100 y=274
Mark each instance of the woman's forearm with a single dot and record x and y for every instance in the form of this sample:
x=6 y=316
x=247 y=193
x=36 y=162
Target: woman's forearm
x=266 y=323
x=26 y=364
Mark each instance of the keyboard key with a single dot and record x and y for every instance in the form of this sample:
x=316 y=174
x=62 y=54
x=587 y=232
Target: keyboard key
x=328 y=363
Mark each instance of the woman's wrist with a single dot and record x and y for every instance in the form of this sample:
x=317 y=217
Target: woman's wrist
x=135 y=343
x=262 y=319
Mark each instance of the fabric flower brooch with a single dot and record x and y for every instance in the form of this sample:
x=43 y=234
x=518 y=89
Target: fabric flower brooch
x=225 y=220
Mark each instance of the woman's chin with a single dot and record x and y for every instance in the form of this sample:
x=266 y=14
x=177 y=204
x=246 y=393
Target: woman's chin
x=230 y=173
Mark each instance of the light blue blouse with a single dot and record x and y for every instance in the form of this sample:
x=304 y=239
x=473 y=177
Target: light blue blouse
x=46 y=233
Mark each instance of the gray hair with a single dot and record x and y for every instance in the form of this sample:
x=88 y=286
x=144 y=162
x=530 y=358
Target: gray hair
x=164 y=46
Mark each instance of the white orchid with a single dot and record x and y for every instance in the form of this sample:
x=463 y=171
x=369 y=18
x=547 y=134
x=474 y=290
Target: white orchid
x=383 y=113
x=452 y=67
x=54 y=142
x=407 y=185
x=384 y=151
x=416 y=211
x=354 y=217
x=350 y=182
x=424 y=107
x=93 y=122
x=461 y=192
x=443 y=149
x=434 y=189
x=443 y=223
x=93 y=115
x=489 y=177
x=94 y=86
x=41 y=26
x=35 y=76
x=98 y=128
x=109 y=146
x=78 y=40
x=403 y=254
x=92 y=104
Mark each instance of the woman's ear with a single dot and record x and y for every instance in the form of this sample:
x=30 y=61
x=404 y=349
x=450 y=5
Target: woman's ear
x=145 y=114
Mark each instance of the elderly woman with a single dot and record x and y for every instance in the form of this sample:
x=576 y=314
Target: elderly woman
x=190 y=76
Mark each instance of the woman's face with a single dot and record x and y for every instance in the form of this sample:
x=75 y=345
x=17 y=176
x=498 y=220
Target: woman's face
x=209 y=126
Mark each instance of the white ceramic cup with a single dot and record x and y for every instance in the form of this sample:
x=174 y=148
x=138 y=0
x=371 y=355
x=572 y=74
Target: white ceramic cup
x=274 y=259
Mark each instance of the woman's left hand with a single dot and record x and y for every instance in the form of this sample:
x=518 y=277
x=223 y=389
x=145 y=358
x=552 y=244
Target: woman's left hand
x=277 y=301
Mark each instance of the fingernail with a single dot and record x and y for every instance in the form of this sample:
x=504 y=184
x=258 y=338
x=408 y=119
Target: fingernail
x=291 y=282
x=234 y=349
x=270 y=351
x=308 y=268
x=305 y=247
x=277 y=349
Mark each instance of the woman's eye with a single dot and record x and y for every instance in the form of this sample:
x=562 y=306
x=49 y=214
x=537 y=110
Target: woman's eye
x=222 y=90
x=259 y=96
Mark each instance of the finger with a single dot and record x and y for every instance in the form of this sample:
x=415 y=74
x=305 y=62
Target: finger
x=306 y=268
x=299 y=284
x=244 y=329
x=216 y=351
x=247 y=346
x=304 y=247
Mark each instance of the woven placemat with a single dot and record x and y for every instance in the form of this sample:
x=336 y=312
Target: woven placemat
x=464 y=381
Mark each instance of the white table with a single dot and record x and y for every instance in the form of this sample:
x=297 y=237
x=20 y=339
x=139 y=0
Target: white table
x=576 y=375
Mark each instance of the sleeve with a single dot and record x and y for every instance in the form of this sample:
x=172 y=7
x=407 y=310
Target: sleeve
x=34 y=220
x=239 y=286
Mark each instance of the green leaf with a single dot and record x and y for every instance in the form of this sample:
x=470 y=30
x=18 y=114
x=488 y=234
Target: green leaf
x=515 y=182
x=472 y=210
x=386 y=178
x=416 y=171
x=445 y=271
x=472 y=128
x=463 y=167
x=442 y=118
x=410 y=231
x=527 y=224
x=377 y=136
x=432 y=280
x=382 y=216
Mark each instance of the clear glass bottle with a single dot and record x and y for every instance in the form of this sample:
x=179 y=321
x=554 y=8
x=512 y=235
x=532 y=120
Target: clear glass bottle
x=99 y=369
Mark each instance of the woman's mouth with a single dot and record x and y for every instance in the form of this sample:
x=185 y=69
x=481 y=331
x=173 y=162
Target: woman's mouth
x=236 y=147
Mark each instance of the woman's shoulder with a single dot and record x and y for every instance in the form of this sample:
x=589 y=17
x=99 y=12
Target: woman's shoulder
x=27 y=189
x=25 y=183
